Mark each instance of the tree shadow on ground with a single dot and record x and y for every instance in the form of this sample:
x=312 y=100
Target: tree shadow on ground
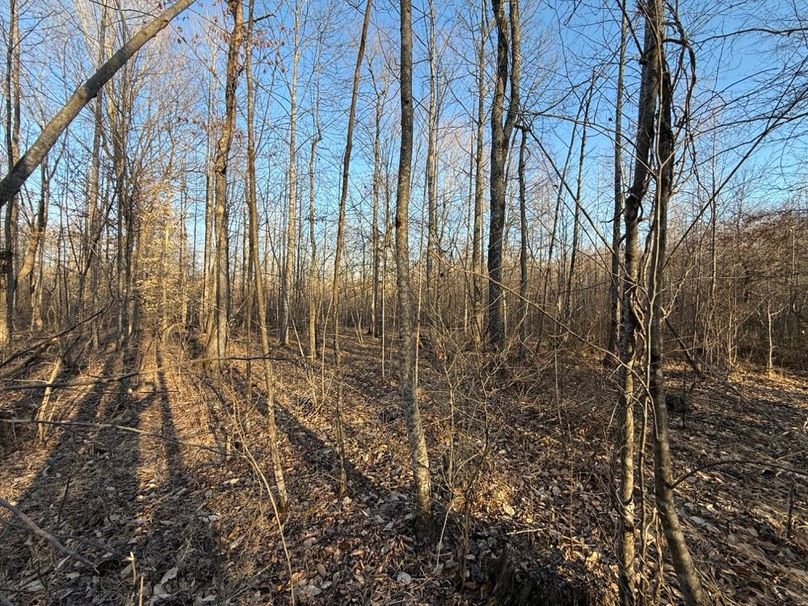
x=91 y=495
x=176 y=542
x=358 y=540
x=70 y=497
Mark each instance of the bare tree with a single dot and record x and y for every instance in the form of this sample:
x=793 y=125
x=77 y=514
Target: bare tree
x=509 y=61
x=258 y=275
x=614 y=283
x=576 y=218
x=477 y=229
x=343 y=200
x=686 y=573
x=311 y=302
x=417 y=440
x=630 y=321
x=8 y=261
x=377 y=236
x=216 y=346
x=23 y=168
x=523 y=237
x=431 y=171
x=291 y=217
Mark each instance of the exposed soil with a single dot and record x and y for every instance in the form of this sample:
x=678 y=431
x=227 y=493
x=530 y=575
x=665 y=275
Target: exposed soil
x=174 y=512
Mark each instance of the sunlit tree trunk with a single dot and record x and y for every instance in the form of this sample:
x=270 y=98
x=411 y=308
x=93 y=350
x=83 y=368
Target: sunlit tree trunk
x=629 y=321
x=119 y=111
x=9 y=252
x=614 y=283
x=311 y=291
x=508 y=61
x=376 y=236
x=431 y=176
x=33 y=253
x=95 y=219
x=258 y=286
x=406 y=327
x=343 y=201
x=576 y=220
x=207 y=250
x=686 y=573
x=218 y=319
x=523 y=236
x=291 y=218
x=477 y=233
x=38 y=229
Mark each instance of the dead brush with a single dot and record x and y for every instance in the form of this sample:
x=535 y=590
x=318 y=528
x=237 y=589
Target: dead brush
x=680 y=402
x=466 y=438
x=240 y=444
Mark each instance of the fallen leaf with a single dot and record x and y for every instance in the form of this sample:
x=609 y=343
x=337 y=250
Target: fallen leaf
x=170 y=574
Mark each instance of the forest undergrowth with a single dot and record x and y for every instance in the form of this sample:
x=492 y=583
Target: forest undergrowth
x=159 y=480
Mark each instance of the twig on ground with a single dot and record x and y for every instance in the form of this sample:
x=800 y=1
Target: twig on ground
x=44 y=534
x=111 y=426
x=693 y=472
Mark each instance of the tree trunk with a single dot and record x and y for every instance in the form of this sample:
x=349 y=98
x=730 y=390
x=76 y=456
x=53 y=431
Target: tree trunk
x=386 y=244
x=431 y=169
x=343 y=201
x=628 y=341
x=218 y=317
x=119 y=112
x=576 y=220
x=95 y=221
x=415 y=430
x=523 y=235
x=508 y=59
x=477 y=236
x=9 y=253
x=311 y=303
x=38 y=232
x=36 y=243
x=37 y=286
x=207 y=250
x=260 y=295
x=614 y=283
x=376 y=240
x=291 y=229
x=686 y=573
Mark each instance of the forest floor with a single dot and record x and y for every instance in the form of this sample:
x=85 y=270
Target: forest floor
x=174 y=511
